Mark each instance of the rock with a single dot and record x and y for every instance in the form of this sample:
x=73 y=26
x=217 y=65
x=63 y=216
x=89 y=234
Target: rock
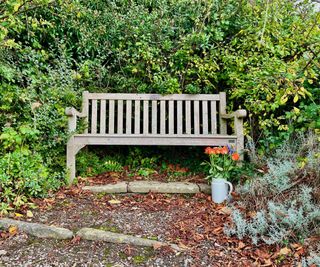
x=159 y=187
x=38 y=230
x=109 y=188
x=3 y=252
x=205 y=188
x=100 y=235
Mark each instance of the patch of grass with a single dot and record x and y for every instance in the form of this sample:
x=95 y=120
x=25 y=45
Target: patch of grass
x=101 y=195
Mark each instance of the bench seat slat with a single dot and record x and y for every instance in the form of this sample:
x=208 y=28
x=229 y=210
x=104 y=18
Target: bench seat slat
x=155 y=140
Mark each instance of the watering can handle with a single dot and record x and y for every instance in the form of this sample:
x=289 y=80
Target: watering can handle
x=231 y=187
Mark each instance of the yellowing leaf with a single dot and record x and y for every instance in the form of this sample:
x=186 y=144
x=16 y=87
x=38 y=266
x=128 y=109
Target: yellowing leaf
x=13 y=230
x=284 y=251
x=114 y=201
x=296 y=98
x=29 y=214
x=18 y=215
x=296 y=110
x=283 y=99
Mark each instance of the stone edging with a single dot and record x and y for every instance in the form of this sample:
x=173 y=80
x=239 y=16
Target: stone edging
x=46 y=231
x=150 y=186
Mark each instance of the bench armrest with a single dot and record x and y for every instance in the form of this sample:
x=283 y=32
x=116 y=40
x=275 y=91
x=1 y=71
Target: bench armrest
x=71 y=111
x=240 y=113
x=72 y=114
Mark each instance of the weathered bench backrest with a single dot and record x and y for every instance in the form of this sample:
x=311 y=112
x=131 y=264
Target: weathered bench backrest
x=132 y=114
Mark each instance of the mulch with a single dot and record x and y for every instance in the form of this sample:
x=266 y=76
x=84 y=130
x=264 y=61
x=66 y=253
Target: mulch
x=193 y=222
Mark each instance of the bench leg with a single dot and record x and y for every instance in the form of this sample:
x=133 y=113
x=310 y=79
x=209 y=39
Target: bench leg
x=71 y=161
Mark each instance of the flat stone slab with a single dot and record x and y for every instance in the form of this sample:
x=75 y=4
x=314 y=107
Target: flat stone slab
x=170 y=188
x=150 y=186
x=38 y=230
x=100 y=235
x=205 y=188
x=121 y=187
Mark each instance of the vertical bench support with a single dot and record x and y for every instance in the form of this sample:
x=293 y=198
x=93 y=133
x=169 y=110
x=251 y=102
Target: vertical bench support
x=72 y=147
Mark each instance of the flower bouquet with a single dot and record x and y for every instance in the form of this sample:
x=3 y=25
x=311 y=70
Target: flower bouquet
x=222 y=165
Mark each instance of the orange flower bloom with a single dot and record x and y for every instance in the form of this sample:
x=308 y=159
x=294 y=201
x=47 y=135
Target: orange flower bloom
x=235 y=156
x=224 y=150
x=209 y=151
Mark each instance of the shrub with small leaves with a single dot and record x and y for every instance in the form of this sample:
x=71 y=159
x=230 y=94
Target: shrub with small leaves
x=282 y=205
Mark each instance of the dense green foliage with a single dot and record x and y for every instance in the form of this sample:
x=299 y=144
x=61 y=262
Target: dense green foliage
x=264 y=54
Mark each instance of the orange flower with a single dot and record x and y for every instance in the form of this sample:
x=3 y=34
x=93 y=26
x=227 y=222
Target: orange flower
x=224 y=150
x=209 y=151
x=235 y=156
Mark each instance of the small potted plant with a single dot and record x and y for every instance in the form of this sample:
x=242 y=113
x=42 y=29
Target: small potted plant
x=222 y=164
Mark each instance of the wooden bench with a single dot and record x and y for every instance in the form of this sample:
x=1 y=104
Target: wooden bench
x=152 y=119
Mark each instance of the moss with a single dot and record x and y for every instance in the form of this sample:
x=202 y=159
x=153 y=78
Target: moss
x=122 y=255
x=107 y=226
x=139 y=259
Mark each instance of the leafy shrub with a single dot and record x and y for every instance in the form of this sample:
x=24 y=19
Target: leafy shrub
x=112 y=166
x=23 y=175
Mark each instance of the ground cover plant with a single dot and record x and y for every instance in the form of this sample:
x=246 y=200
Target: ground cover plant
x=282 y=205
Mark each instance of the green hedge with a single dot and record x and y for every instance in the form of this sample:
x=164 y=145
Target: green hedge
x=264 y=54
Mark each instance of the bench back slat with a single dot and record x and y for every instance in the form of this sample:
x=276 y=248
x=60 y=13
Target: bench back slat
x=120 y=117
x=154 y=114
x=145 y=116
x=205 y=117
x=154 y=117
x=162 y=117
x=111 y=96
x=222 y=109
x=111 y=117
x=179 y=117
x=128 y=116
x=188 y=117
x=171 y=117
x=137 y=117
x=196 y=123
x=213 y=117
x=103 y=116
x=94 y=117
